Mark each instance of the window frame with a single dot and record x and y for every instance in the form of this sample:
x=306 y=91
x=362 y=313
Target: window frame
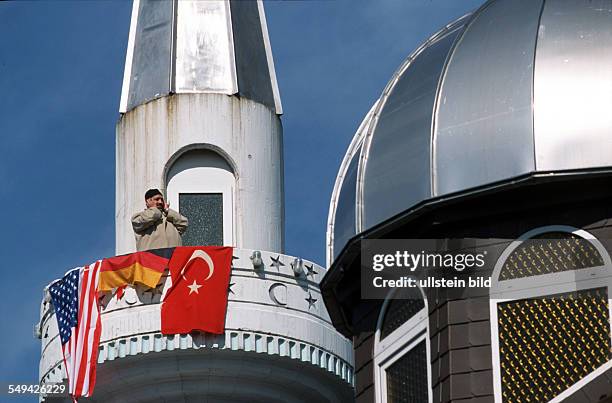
x=542 y=285
x=398 y=343
x=204 y=179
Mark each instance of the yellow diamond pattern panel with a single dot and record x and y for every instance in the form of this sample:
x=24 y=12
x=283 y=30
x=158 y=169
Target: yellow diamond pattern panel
x=552 y=252
x=548 y=344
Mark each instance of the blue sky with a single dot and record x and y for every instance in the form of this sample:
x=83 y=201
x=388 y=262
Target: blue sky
x=61 y=66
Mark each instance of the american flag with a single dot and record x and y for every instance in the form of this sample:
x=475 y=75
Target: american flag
x=75 y=299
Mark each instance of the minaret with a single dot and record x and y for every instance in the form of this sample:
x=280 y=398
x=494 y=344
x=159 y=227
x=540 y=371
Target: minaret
x=200 y=120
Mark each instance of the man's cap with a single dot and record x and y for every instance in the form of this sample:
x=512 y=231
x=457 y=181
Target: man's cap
x=152 y=192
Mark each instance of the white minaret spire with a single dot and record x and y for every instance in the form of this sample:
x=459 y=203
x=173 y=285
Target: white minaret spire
x=200 y=120
x=192 y=46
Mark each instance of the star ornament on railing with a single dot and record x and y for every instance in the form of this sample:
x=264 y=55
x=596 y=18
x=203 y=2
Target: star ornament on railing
x=311 y=301
x=276 y=262
x=311 y=270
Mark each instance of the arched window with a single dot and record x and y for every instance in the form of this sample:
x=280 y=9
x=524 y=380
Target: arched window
x=401 y=349
x=200 y=185
x=550 y=314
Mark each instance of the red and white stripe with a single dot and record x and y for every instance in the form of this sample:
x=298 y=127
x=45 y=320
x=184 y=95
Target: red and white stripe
x=81 y=351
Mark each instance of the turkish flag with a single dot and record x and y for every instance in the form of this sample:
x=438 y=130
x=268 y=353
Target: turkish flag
x=197 y=299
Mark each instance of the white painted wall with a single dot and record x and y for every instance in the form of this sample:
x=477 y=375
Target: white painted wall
x=249 y=135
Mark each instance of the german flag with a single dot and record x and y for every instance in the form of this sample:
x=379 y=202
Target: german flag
x=145 y=268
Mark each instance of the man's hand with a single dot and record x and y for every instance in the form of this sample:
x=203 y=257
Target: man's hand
x=166 y=207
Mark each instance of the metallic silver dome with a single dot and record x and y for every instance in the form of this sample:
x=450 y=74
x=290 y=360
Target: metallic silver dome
x=517 y=87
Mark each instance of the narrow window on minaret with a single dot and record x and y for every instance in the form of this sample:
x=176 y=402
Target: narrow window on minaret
x=205 y=213
x=200 y=186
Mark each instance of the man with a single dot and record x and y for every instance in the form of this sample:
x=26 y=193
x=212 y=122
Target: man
x=157 y=226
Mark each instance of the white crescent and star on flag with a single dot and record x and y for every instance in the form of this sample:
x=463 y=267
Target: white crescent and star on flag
x=198 y=254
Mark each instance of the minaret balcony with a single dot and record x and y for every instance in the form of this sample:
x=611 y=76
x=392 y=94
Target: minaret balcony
x=279 y=343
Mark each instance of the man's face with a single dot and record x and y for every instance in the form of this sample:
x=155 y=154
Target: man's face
x=155 y=201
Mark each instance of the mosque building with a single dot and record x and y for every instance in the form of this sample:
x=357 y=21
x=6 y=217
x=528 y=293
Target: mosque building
x=495 y=135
